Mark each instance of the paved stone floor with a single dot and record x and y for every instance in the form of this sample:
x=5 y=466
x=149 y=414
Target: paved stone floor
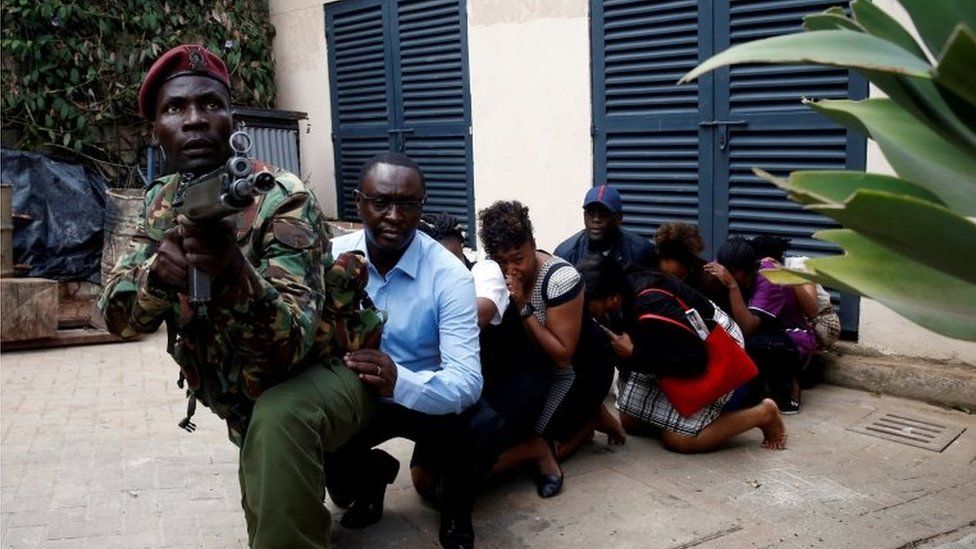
x=91 y=457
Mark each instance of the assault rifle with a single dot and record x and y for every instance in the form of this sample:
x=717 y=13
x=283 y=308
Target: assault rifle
x=218 y=194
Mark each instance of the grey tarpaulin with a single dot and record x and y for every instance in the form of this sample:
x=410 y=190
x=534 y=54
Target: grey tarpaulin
x=66 y=204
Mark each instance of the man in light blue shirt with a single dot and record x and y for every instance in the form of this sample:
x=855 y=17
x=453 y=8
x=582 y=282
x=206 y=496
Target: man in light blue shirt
x=431 y=332
x=427 y=370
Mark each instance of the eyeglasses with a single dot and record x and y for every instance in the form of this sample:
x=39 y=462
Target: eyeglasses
x=383 y=204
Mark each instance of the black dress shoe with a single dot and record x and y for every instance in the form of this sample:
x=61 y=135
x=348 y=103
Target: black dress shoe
x=367 y=509
x=548 y=486
x=456 y=531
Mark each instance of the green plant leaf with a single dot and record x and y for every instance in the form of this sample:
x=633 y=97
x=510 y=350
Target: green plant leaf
x=936 y=19
x=938 y=301
x=956 y=71
x=882 y=25
x=841 y=48
x=832 y=19
x=914 y=151
x=836 y=187
x=947 y=243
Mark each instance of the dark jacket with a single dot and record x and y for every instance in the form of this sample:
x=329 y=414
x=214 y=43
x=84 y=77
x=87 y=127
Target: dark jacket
x=661 y=347
x=630 y=248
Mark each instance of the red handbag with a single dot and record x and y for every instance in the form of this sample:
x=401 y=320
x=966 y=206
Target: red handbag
x=728 y=368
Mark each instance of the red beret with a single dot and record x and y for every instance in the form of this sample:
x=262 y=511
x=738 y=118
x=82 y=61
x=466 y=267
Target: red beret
x=186 y=59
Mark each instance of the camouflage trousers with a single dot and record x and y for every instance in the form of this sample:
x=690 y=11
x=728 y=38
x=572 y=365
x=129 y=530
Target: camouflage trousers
x=281 y=471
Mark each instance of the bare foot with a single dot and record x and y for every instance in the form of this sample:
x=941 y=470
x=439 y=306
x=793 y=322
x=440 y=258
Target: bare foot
x=774 y=430
x=610 y=426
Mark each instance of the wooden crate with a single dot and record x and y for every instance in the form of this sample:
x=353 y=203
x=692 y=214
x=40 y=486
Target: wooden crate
x=28 y=309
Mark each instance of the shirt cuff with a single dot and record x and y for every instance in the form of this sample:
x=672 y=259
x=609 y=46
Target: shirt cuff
x=409 y=386
x=153 y=296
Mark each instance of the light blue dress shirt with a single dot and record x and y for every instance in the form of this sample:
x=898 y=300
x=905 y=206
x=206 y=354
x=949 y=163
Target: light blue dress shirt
x=431 y=332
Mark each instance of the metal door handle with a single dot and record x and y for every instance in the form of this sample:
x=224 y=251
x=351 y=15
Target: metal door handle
x=723 y=130
x=400 y=134
x=709 y=123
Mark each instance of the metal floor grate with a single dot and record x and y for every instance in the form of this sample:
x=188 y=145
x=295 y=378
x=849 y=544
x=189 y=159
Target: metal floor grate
x=928 y=434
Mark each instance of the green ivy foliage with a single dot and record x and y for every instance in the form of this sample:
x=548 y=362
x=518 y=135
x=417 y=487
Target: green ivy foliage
x=72 y=69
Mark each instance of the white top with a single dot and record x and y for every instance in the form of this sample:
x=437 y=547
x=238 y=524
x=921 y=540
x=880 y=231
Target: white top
x=489 y=283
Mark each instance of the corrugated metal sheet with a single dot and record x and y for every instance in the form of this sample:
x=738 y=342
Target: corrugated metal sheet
x=275 y=145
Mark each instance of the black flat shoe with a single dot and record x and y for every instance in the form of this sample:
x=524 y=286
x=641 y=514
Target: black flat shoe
x=367 y=509
x=548 y=486
x=456 y=531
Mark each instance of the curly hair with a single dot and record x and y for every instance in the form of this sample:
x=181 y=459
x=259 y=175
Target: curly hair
x=679 y=241
x=504 y=225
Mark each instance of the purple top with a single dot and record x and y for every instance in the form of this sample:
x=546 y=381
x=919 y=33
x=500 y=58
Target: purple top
x=780 y=303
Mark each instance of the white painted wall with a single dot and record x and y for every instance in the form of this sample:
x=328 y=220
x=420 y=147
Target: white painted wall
x=302 y=74
x=530 y=97
x=881 y=328
x=529 y=66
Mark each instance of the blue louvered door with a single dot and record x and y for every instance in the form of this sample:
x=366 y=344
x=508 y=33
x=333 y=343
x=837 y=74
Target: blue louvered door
x=400 y=82
x=433 y=107
x=645 y=129
x=358 y=36
x=685 y=153
x=770 y=128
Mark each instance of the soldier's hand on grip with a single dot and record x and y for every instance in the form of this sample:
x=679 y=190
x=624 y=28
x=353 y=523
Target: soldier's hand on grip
x=171 y=265
x=211 y=247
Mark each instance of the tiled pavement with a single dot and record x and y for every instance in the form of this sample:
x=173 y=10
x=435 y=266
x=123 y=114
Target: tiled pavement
x=91 y=457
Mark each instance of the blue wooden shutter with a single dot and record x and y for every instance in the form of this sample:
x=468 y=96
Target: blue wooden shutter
x=773 y=130
x=645 y=129
x=433 y=109
x=357 y=33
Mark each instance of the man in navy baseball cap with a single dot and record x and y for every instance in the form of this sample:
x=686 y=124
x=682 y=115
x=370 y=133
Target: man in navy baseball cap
x=602 y=233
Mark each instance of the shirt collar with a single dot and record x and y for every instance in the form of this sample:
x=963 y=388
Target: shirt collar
x=409 y=262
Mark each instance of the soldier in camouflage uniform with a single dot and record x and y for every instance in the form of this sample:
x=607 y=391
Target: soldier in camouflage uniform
x=264 y=352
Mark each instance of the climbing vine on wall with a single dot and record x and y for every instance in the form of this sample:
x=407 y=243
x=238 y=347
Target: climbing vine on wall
x=72 y=68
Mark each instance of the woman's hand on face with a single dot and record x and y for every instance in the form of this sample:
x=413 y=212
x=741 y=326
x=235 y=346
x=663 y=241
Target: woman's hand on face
x=721 y=273
x=515 y=289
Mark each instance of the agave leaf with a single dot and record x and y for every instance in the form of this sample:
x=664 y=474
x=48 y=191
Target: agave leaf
x=836 y=187
x=936 y=300
x=914 y=151
x=841 y=48
x=832 y=19
x=936 y=19
x=935 y=237
x=880 y=24
x=786 y=277
x=797 y=277
x=956 y=71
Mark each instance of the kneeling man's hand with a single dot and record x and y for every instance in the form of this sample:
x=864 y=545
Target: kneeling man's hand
x=375 y=368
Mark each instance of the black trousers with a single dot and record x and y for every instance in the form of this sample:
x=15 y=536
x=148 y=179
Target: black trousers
x=779 y=363
x=446 y=436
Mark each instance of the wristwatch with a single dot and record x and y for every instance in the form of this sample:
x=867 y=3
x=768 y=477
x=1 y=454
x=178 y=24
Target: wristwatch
x=526 y=310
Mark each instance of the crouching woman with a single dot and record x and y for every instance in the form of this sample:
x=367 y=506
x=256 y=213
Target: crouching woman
x=651 y=350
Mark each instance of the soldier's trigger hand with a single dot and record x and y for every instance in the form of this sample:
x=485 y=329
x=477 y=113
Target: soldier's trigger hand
x=375 y=368
x=210 y=247
x=170 y=265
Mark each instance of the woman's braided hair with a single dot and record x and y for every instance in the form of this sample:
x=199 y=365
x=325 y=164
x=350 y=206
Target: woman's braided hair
x=442 y=225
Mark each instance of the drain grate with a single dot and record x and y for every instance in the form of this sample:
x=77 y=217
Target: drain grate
x=908 y=430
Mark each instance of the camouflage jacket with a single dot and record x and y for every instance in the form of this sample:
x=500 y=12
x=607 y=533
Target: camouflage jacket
x=269 y=324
